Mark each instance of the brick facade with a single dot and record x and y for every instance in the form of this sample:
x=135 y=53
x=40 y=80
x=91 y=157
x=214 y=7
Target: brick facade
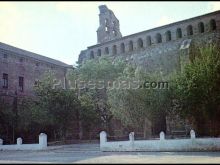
x=20 y=64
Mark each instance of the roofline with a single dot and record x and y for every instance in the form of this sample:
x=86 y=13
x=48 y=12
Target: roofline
x=67 y=66
x=153 y=29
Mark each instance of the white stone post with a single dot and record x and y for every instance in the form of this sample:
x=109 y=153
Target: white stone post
x=43 y=140
x=1 y=142
x=131 y=139
x=192 y=134
x=19 y=141
x=162 y=135
x=103 y=138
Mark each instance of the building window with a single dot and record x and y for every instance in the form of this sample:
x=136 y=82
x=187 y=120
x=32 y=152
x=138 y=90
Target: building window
x=106 y=50
x=168 y=36
x=99 y=53
x=148 y=40
x=131 y=47
x=21 y=84
x=114 y=50
x=5 y=56
x=201 y=27
x=189 y=30
x=158 y=38
x=5 y=80
x=140 y=43
x=212 y=25
x=21 y=59
x=178 y=33
x=122 y=47
x=91 y=55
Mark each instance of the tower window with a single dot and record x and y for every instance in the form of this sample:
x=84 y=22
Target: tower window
x=114 y=32
x=107 y=29
x=114 y=23
x=106 y=22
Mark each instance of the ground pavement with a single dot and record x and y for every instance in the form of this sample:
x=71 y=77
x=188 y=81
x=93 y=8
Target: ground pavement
x=90 y=153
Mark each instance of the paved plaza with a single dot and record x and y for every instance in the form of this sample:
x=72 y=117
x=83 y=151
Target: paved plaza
x=89 y=153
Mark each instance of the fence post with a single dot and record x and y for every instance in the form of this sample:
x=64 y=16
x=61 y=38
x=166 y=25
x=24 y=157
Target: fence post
x=43 y=140
x=162 y=135
x=103 y=138
x=19 y=141
x=1 y=141
x=192 y=134
x=131 y=139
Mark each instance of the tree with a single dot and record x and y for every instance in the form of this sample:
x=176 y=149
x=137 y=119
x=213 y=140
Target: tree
x=7 y=117
x=139 y=106
x=53 y=107
x=98 y=72
x=197 y=89
x=90 y=116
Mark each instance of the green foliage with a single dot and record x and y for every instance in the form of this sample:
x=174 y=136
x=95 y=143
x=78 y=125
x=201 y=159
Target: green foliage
x=103 y=69
x=195 y=93
x=89 y=115
x=7 y=117
x=197 y=87
x=134 y=105
x=53 y=107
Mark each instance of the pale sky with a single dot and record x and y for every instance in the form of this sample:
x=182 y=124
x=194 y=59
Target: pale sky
x=60 y=30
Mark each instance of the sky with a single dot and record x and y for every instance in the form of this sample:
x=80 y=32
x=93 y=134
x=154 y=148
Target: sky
x=60 y=30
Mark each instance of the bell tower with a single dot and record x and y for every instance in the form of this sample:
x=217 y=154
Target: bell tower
x=108 y=25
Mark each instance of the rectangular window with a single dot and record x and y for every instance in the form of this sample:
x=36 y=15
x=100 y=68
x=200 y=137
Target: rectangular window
x=21 y=84
x=5 y=80
x=5 y=56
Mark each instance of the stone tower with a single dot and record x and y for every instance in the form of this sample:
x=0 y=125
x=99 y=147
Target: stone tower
x=108 y=25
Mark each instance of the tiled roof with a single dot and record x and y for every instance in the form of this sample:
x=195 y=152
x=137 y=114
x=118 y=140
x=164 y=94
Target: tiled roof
x=32 y=55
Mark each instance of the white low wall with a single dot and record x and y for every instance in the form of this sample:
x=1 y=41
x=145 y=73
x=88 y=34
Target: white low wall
x=19 y=146
x=192 y=144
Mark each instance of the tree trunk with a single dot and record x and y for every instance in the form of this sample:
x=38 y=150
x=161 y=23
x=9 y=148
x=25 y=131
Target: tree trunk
x=80 y=130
